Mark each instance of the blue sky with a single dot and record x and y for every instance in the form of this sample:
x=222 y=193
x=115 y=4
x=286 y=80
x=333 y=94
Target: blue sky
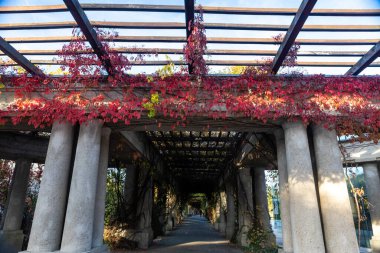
x=179 y=17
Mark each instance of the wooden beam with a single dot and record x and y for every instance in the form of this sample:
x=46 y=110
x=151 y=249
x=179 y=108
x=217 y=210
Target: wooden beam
x=179 y=25
x=12 y=53
x=89 y=32
x=211 y=40
x=292 y=33
x=365 y=61
x=189 y=18
x=208 y=52
x=210 y=62
x=181 y=9
x=15 y=145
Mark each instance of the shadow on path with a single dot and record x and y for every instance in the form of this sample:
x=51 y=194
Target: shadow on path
x=195 y=234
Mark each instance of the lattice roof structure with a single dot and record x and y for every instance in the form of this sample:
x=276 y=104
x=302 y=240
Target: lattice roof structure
x=362 y=59
x=198 y=155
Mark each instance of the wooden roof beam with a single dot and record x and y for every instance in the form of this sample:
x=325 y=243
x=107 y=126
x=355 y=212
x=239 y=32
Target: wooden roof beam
x=12 y=53
x=292 y=33
x=89 y=32
x=181 y=9
x=365 y=61
x=189 y=15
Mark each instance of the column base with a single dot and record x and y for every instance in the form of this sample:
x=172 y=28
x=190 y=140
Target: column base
x=143 y=238
x=101 y=249
x=222 y=228
x=242 y=239
x=230 y=230
x=375 y=244
x=12 y=240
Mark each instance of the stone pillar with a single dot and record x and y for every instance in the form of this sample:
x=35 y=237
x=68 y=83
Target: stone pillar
x=372 y=181
x=284 y=192
x=217 y=213
x=77 y=233
x=338 y=223
x=231 y=210
x=245 y=204
x=12 y=233
x=130 y=192
x=144 y=209
x=100 y=201
x=222 y=216
x=261 y=201
x=46 y=232
x=305 y=219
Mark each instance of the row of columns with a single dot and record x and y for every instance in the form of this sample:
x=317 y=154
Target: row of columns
x=316 y=213
x=309 y=225
x=69 y=215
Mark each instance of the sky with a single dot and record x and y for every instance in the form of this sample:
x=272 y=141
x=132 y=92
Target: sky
x=212 y=18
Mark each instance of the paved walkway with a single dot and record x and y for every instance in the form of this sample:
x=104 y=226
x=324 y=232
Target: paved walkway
x=194 y=235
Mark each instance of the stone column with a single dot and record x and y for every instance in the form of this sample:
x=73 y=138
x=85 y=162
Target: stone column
x=372 y=181
x=222 y=215
x=144 y=209
x=338 y=223
x=100 y=201
x=46 y=232
x=245 y=204
x=231 y=210
x=305 y=219
x=77 y=233
x=217 y=213
x=12 y=233
x=261 y=201
x=130 y=192
x=284 y=191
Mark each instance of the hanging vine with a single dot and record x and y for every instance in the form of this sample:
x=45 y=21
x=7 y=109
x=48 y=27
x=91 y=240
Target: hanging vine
x=82 y=93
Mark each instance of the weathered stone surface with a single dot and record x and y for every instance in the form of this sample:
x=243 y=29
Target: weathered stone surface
x=77 y=233
x=306 y=225
x=245 y=204
x=144 y=209
x=16 y=198
x=338 y=224
x=284 y=191
x=231 y=210
x=49 y=215
x=100 y=199
x=262 y=212
x=372 y=181
x=11 y=240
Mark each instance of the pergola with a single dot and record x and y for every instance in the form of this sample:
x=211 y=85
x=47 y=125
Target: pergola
x=300 y=16
x=196 y=157
x=199 y=155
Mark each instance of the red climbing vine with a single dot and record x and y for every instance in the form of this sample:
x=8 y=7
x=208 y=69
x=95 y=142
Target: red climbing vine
x=83 y=92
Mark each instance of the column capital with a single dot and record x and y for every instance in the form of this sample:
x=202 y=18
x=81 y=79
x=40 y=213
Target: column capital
x=279 y=134
x=293 y=124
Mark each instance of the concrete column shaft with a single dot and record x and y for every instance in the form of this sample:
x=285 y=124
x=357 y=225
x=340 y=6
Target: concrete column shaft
x=284 y=191
x=245 y=204
x=339 y=228
x=100 y=201
x=231 y=210
x=130 y=191
x=77 y=233
x=49 y=214
x=306 y=226
x=262 y=212
x=372 y=180
x=16 y=202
